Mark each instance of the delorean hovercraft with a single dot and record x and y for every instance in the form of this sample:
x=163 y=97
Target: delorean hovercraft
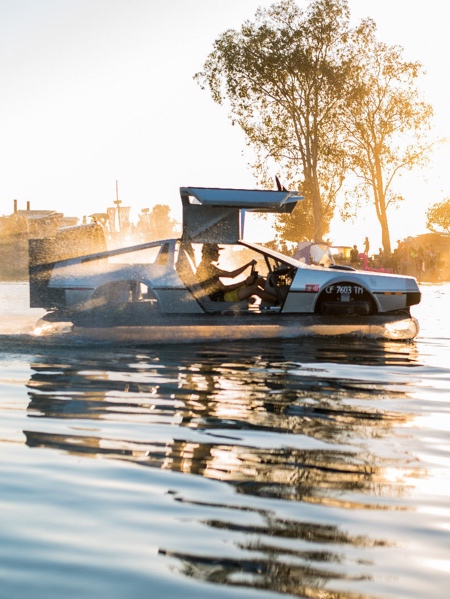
x=150 y=293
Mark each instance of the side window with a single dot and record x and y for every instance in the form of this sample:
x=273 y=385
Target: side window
x=146 y=256
x=162 y=258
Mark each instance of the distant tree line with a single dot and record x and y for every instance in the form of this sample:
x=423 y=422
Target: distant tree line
x=157 y=223
x=438 y=217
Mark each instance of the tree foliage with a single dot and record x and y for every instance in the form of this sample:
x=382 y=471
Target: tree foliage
x=282 y=76
x=317 y=100
x=386 y=122
x=438 y=217
x=299 y=225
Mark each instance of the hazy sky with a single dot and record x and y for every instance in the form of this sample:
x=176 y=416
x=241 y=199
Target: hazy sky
x=95 y=91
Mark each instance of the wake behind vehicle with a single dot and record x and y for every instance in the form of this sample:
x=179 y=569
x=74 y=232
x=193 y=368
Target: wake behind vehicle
x=151 y=292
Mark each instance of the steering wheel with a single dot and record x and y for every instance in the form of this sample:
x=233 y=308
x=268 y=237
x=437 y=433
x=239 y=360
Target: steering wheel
x=272 y=279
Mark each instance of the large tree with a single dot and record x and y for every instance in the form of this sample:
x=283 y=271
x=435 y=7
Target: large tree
x=283 y=76
x=386 y=122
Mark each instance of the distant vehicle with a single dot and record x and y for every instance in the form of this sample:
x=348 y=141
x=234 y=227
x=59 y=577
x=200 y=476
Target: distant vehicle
x=150 y=292
x=341 y=254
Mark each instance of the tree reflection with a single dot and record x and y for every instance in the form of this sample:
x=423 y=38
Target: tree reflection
x=299 y=558
x=271 y=425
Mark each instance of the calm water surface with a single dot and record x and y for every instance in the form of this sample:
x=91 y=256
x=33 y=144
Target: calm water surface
x=313 y=468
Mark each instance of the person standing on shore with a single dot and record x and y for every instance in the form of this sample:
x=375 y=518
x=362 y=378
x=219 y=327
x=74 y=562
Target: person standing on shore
x=366 y=246
x=354 y=256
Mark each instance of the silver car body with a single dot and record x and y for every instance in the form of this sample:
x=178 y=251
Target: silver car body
x=162 y=274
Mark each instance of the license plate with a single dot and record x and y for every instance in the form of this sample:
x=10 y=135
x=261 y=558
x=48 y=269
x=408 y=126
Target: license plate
x=344 y=289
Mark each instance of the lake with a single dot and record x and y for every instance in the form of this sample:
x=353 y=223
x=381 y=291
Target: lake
x=314 y=468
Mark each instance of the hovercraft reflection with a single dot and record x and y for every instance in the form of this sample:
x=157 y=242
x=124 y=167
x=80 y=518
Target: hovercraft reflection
x=153 y=291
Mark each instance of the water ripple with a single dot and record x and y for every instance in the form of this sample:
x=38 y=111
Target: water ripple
x=310 y=468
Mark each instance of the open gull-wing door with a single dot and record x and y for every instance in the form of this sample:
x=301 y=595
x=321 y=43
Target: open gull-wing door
x=214 y=215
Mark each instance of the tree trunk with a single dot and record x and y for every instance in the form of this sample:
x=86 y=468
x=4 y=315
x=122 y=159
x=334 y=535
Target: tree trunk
x=313 y=190
x=380 y=206
x=385 y=235
x=385 y=238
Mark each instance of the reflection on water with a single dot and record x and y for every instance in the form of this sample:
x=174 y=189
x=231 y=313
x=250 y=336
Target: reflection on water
x=313 y=468
x=298 y=422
